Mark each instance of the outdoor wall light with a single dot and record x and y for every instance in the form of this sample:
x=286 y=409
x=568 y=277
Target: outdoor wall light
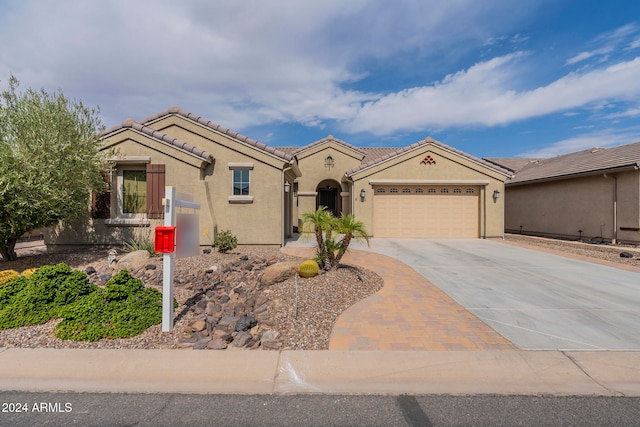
x=496 y=194
x=287 y=187
x=362 y=195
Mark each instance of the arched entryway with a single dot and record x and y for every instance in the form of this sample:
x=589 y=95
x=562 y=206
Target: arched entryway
x=329 y=195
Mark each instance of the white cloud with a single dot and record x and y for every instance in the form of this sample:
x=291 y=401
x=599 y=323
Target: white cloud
x=602 y=139
x=483 y=95
x=239 y=63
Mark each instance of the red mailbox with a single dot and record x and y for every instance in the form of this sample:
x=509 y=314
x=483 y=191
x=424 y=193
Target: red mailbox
x=165 y=239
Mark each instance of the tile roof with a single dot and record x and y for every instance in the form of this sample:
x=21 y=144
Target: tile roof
x=513 y=164
x=175 y=142
x=592 y=161
x=386 y=155
x=296 y=150
x=218 y=128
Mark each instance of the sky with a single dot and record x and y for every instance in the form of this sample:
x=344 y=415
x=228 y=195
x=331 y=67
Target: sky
x=493 y=78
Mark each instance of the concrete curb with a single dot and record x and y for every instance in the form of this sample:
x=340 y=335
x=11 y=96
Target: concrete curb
x=326 y=372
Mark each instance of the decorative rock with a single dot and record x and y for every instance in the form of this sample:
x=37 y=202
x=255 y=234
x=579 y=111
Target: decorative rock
x=217 y=344
x=150 y=267
x=245 y=323
x=199 y=325
x=626 y=254
x=244 y=258
x=202 y=344
x=241 y=339
x=279 y=272
x=134 y=260
x=206 y=251
x=212 y=269
x=89 y=271
x=104 y=278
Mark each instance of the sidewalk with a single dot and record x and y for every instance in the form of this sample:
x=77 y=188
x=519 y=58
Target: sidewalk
x=476 y=360
x=327 y=372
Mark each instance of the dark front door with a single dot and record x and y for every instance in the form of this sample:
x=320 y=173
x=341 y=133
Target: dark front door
x=328 y=197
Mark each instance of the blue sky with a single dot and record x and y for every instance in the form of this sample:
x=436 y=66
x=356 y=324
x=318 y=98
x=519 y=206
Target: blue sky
x=494 y=78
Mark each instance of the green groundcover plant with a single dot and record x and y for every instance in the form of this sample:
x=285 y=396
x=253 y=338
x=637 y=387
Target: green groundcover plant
x=122 y=309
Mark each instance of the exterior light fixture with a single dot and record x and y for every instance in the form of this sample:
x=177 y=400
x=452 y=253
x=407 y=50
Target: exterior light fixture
x=287 y=187
x=363 y=193
x=496 y=194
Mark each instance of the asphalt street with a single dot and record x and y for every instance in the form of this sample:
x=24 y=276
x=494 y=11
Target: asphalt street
x=97 y=409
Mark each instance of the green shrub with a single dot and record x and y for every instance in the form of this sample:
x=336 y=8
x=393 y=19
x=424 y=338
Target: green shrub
x=28 y=272
x=225 y=241
x=38 y=298
x=123 y=309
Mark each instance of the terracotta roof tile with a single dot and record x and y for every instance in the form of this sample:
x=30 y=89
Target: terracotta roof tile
x=386 y=155
x=130 y=124
x=218 y=128
x=592 y=161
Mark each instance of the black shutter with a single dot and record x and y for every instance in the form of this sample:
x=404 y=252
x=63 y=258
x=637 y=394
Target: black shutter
x=101 y=202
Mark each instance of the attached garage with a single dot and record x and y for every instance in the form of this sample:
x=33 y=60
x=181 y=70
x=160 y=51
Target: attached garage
x=426 y=211
x=429 y=190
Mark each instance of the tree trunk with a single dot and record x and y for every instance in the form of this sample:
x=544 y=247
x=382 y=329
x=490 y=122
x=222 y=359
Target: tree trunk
x=7 y=250
x=346 y=240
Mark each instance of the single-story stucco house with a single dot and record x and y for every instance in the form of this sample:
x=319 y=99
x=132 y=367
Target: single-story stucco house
x=589 y=194
x=260 y=193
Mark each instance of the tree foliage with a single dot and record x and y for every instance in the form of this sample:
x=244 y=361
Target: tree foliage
x=49 y=161
x=333 y=235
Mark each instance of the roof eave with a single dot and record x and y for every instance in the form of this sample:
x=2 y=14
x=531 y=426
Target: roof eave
x=624 y=168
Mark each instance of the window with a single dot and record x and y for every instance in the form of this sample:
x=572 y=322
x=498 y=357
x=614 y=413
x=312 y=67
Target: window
x=444 y=190
x=419 y=190
x=470 y=190
x=134 y=191
x=406 y=190
x=393 y=190
x=457 y=190
x=241 y=182
x=380 y=190
x=432 y=190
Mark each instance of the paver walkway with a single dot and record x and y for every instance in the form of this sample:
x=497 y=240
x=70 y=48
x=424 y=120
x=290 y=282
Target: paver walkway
x=408 y=313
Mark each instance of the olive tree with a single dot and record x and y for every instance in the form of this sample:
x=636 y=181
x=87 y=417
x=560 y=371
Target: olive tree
x=49 y=161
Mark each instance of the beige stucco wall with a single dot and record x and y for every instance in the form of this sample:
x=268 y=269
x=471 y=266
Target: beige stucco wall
x=258 y=222
x=562 y=208
x=312 y=164
x=449 y=168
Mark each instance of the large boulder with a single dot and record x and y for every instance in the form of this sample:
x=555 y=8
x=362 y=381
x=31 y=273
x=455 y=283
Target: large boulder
x=279 y=272
x=134 y=260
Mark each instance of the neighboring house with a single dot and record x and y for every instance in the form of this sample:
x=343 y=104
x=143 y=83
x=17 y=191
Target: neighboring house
x=260 y=193
x=587 y=194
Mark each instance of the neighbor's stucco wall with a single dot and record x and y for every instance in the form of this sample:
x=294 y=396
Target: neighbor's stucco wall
x=562 y=208
x=449 y=167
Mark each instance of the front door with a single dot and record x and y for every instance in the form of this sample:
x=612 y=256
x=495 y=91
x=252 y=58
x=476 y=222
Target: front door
x=328 y=197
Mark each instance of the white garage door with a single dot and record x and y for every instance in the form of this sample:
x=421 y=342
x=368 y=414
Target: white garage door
x=426 y=211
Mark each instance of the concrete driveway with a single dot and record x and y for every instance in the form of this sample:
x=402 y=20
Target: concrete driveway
x=534 y=299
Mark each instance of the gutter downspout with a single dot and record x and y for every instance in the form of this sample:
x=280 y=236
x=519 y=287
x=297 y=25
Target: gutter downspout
x=283 y=214
x=614 y=239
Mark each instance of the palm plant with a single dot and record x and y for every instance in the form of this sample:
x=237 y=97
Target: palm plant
x=320 y=220
x=350 y=228
x=330 y=250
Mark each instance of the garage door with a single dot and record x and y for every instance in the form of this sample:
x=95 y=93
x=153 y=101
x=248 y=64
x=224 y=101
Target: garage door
x=426 y=211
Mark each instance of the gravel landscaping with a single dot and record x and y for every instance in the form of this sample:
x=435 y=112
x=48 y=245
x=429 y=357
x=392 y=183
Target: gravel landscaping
x=300 y=313
x=294 y=313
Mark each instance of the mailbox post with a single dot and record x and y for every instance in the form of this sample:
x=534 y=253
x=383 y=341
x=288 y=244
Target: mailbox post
x=165 y=243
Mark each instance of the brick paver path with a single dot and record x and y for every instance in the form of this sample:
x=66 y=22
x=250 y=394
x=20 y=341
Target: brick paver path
x=408 y=313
